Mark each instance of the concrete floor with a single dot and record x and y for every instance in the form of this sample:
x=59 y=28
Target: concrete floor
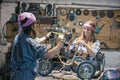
x=112 y=58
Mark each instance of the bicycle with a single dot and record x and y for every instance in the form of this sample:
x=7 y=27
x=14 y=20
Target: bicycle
x=46 y=65
x=84 y=67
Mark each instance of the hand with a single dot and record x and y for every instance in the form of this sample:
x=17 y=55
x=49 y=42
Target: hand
x=82 y=42
x=70 y=41
x=48 y=34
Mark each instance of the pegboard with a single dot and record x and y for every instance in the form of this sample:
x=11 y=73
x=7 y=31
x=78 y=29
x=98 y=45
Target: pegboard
x=109 y=34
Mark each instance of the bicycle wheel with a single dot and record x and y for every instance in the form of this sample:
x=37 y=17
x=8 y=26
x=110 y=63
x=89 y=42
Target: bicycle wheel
x=85 y=70
x=77 y=60
x=45 y=67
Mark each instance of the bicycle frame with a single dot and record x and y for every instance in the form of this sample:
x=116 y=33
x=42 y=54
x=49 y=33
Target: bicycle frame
x=76 y=62
x=67 y=63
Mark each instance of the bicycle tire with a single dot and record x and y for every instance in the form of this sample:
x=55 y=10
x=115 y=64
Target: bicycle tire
x=45 y=67
x=78 y=60
x=85 y=70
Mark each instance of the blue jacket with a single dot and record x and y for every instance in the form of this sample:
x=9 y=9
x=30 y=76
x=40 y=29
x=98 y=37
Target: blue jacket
x=25 y=52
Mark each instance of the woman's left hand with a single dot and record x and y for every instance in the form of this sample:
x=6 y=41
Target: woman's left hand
x=48 y=34
x=82 y=42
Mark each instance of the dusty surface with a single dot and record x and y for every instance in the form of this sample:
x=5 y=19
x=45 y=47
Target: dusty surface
x=64 y=75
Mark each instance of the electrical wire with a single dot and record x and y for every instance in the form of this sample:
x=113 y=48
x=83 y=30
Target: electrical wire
x=12 y=31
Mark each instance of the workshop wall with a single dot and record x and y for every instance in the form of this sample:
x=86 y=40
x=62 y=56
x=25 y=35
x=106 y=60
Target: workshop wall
x=108 y=35
x=6 y=9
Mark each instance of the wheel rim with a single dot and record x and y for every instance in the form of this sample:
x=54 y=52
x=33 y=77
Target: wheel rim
x=85 y=70
x=77 y=61
x=45 y=67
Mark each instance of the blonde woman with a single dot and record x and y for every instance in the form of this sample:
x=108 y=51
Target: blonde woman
x=87 y=44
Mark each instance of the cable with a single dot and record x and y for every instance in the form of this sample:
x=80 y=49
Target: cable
x=12 y=27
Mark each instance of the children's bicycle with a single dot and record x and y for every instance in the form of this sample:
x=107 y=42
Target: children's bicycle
x=84 y=67
x=46 y=65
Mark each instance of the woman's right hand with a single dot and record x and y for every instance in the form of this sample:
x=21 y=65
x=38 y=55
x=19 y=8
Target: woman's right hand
x=82 y=43
x=71 y=41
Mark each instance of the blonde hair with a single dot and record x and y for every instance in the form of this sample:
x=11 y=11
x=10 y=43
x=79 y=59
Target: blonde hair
x=82 y=37
x=92 y=24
